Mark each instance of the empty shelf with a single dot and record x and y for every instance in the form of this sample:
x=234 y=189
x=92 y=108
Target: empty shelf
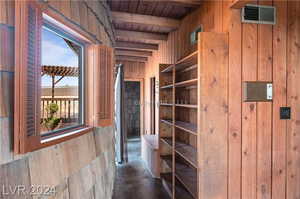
x=187 y=61
x=168 y=69
x=167 y=140
x=186 y=83
x=167 y=86
x=169 y=122
x=188 y=177
x=167 y=182
x=181 y=192
x=187 y=152
x=168 y=160
x=187 y=105
x=189 y=127
x=189 y=68
x=165 y=104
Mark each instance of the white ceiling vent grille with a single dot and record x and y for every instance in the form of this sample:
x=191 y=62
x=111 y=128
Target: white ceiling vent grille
x=259 y=14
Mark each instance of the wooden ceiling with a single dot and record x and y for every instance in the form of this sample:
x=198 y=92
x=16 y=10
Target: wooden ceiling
x=142 y=24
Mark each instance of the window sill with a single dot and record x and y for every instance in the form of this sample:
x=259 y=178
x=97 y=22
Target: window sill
x=65 y=136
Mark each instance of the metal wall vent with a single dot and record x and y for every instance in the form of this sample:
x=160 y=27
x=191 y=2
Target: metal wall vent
x=259 y=14
x=194 y=35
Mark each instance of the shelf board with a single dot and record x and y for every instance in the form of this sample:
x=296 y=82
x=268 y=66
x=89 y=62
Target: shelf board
x=188 y=127
x=187 y=61
x=169 y=122
x=165 y=104
x=184 y=63
x=181 y=192
x=187 y=105
x=189 y=68
x=168 y=69
x=187 y=58
x=186 y=83
x=188 y=177
x=187 y=152
x=167 y=86
x=167 y=159
x=167 y=140
x=167 y=182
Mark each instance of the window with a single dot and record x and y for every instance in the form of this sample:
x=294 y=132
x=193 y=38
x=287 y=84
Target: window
x=55 y=59
x=61 y=81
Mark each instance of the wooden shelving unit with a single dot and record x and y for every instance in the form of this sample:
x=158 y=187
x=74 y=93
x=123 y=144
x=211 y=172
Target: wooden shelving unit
x=184 y=90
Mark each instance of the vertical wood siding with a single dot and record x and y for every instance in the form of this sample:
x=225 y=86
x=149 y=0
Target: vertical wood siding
x=263 y=151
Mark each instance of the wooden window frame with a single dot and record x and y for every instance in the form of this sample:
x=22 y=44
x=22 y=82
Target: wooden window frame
x=85 y=40
x=63 y=34
x=21 y=144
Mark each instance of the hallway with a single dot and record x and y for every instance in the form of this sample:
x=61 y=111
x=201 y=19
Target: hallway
x=133 y=180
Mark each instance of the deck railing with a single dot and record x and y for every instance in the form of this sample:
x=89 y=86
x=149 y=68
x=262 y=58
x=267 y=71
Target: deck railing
x=67 y=108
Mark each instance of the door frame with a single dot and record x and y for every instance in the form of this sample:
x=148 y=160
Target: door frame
x=142 y=98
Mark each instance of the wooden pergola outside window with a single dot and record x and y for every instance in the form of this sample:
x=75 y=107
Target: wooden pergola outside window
x=59 y=71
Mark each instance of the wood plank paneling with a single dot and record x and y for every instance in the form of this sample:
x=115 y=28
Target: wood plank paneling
x=65 y=8
x=3 y=13
x=264 y=111
x=279 y=78
x=212 y=141
x=231 y=23
x=75 y=10
x=83 y=13
x=293 y=93
x=133 y=70
x=249 y=114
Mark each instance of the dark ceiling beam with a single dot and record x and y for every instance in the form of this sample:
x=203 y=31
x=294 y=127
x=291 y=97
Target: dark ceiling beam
x=133 y=53
x=183 y=3
x=237 y=4
x=131 y=58
x=135 y=46
x=155 y=37
x=124 y=17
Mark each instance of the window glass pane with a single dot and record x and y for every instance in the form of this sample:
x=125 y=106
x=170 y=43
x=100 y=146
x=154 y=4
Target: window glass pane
x=60 y=82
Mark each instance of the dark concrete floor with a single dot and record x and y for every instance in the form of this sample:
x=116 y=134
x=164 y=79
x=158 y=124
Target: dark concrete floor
x=134 y=149
x=133 y=180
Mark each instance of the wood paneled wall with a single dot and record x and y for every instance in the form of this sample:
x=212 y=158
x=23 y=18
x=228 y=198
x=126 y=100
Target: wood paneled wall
x=263 y=151
x=133 y=70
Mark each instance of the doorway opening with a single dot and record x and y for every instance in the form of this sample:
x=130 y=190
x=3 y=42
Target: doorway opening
x=132 y=116
x=152 y=104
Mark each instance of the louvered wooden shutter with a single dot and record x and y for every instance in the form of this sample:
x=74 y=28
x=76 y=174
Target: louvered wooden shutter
x=101 y=79
x=28 y=29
